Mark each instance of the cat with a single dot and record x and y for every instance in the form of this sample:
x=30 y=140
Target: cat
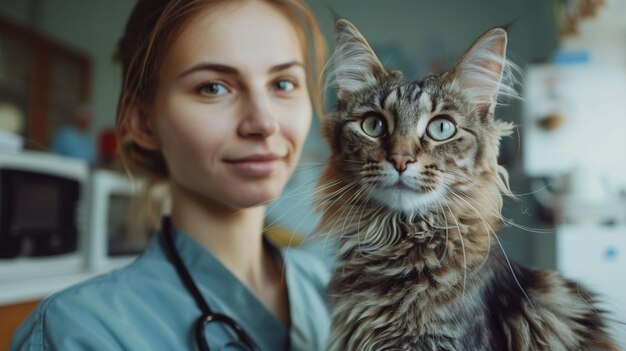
x=412 y=194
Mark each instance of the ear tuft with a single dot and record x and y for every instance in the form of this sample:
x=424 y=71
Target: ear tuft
x=354 y=64
x=483 y=73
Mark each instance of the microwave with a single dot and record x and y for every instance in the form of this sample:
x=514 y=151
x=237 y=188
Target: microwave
x=43 y=214
x=113 y=239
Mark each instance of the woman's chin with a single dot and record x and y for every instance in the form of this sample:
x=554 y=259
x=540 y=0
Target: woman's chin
x=256 y=199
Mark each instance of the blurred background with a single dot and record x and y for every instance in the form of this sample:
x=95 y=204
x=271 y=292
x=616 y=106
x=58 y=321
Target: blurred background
x=63 y=200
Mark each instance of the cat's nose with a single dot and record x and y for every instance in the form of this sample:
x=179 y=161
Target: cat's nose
x=400 y=161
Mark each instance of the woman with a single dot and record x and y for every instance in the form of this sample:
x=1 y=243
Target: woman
x=217 y=101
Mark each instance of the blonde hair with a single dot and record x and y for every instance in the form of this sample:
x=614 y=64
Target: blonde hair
x=149 y=33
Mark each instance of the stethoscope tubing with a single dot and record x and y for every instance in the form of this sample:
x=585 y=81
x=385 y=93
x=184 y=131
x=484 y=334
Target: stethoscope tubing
x=207 y=314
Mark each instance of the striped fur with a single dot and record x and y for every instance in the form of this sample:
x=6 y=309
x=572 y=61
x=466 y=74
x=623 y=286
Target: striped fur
x=415 y=218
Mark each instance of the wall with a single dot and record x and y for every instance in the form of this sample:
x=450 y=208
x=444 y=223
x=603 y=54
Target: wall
x=19 y=11
x=93 y=27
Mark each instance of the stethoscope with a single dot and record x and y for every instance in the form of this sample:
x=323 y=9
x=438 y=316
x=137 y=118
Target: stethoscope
x=208 y=316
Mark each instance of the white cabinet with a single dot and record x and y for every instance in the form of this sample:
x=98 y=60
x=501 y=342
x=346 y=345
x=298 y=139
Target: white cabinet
x=596 y=257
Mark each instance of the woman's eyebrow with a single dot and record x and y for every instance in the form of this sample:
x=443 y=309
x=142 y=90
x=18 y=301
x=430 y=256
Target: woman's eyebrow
x=207 y=66
x=221 y=68
x=285 y=66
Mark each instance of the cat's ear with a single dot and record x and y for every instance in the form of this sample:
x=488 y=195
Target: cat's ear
x=481 y=74
x=355 y=64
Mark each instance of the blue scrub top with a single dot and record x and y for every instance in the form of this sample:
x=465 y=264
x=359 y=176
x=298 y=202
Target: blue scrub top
x=145 y=306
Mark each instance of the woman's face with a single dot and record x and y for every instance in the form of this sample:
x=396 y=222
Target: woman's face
x=232 y=108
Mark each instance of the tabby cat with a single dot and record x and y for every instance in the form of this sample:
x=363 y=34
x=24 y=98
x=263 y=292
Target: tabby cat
x=412 y=194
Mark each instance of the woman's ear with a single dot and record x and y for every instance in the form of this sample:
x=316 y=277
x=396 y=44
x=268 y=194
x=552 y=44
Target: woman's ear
x=142 y=130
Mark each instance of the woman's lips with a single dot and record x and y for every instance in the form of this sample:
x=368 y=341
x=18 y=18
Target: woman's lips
x=255 y=165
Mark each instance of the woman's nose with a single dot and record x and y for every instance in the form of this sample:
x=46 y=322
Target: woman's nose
x=259 y=119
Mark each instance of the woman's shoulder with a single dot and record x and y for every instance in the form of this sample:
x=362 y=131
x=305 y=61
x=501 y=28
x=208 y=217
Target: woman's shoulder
x=132 y=279
x=309 y=263
x=308 y=274
x=86 y=315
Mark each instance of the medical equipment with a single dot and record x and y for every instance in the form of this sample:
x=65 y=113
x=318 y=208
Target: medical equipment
x=208 y=316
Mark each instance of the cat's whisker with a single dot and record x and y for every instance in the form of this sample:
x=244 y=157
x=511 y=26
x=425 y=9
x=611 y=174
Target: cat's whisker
x=488 y=229
x=356 y=162
x=507 y=221
x=374 y=241
x=380 y=208
x=332 y=194
x=329 y=196
x=578 y=292
x=349 y=206
x=494 y=203
x=290 y=194
x=452 y=174
x=308 y=164
x=303 y=198
x=295 y=231
x=321 y=189
x=344 y=189
x=463 y=248
x=486 y=258
x=350 y=186
x=445 y=248
x=303 y=166
x=356 y=197
x=367 y=234
x=306 y=191
x=430 y=223
x=365 y=204
x=508 y=262
x=506 y=257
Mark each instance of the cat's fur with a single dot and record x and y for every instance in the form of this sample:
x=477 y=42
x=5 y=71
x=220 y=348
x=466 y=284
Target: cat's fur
x=419 y=262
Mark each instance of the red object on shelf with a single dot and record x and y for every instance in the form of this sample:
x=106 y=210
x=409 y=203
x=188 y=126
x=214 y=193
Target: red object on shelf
x=107 y=145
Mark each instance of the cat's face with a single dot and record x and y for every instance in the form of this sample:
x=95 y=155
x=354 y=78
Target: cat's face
x=413 y=146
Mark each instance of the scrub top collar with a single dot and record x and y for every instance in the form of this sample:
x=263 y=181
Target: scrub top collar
x=225 y=293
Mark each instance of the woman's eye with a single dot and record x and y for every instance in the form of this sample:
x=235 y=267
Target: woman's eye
x=213 y=89
x=441 y=129
x=374 y=126
x=284 y=85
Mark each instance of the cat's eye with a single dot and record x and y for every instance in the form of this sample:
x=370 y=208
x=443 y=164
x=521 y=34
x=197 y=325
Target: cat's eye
x=441 y=128
x=374 y=126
